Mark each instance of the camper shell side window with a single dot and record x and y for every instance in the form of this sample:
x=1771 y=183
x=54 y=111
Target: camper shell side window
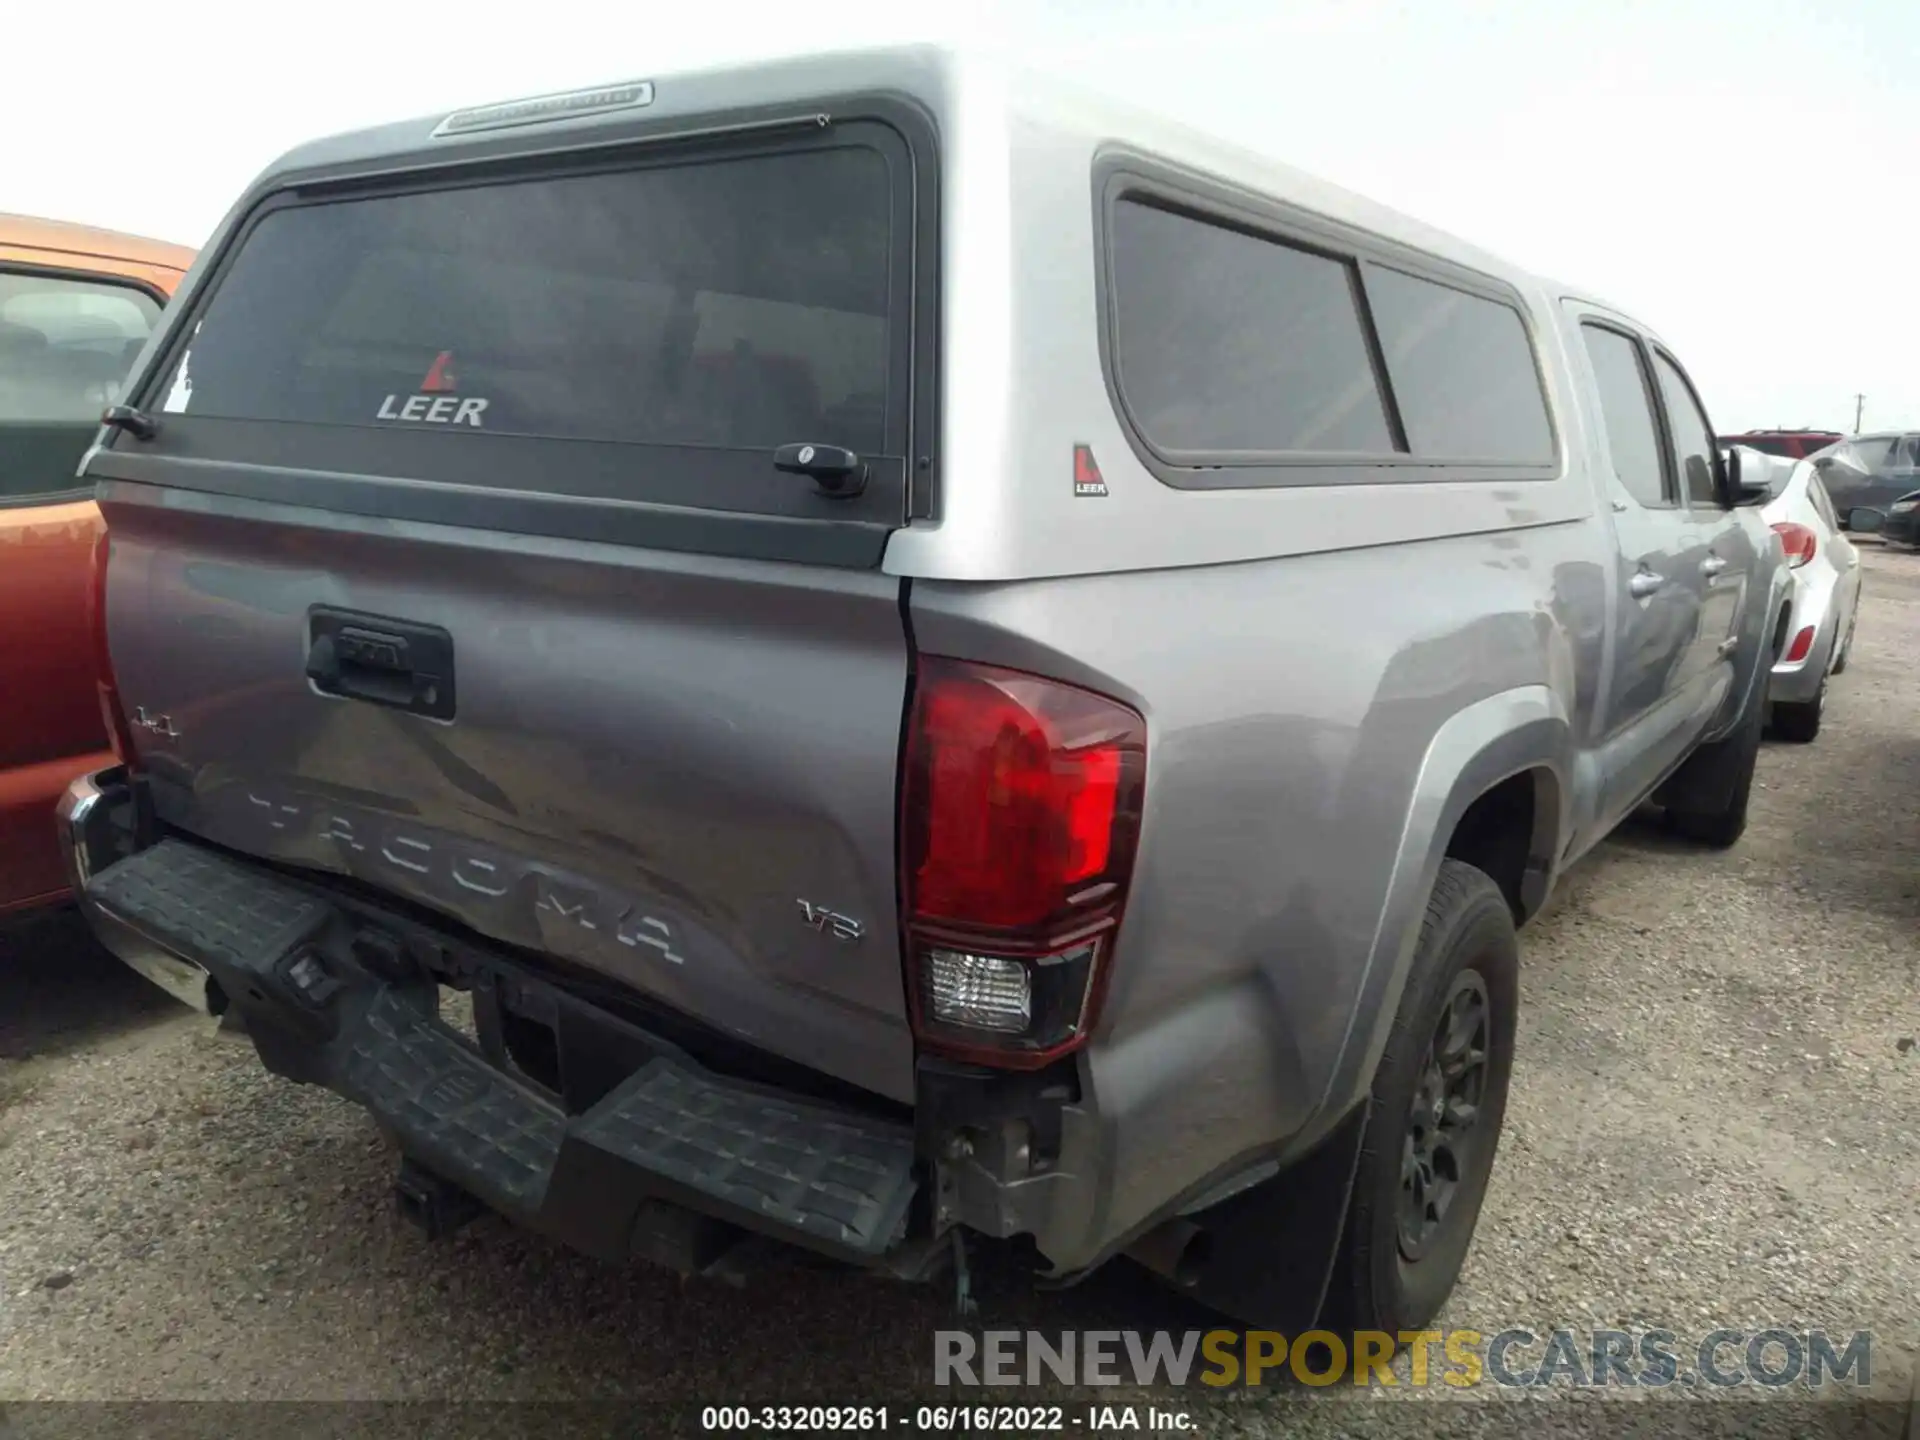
x=1247 y=343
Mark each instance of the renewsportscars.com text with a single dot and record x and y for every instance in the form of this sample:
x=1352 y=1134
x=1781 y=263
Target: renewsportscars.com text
x=1517 y=1358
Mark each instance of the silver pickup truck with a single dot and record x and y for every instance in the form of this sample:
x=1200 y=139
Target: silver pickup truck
x=946 y=664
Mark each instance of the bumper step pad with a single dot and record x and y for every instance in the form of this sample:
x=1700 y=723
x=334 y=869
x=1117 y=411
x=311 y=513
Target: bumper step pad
x=470 y=1122
x=826 y=1178
x=837 y=1178
x=207 y=908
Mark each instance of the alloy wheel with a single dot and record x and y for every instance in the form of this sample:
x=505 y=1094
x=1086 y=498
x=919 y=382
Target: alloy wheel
x=1442 y=1130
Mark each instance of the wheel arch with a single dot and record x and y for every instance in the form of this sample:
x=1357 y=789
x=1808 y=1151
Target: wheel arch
x=1483 y=755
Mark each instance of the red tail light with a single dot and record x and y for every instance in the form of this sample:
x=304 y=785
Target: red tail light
x=1802 y=643
x=1020 y=816
x=1798 y=541
x=111 y=715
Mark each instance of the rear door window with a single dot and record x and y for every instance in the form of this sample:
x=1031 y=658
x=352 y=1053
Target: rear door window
x=1626 y=405
x=66 y=345
x=648 y=334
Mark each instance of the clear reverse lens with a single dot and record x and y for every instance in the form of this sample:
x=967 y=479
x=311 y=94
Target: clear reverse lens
x=979 y=991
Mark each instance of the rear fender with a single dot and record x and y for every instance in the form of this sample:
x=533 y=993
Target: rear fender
x=1518 y=730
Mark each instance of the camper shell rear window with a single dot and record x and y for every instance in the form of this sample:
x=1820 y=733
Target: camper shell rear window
x=647 y=329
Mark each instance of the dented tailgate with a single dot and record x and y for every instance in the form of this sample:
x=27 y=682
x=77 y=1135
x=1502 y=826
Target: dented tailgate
x=459 y=562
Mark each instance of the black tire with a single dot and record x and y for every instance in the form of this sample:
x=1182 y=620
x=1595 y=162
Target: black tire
x=1708 y=795
x=1797 y=722
x=1380 y=1281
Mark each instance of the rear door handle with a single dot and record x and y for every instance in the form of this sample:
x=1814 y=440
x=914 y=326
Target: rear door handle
x=1712 y=565
x=1644 y=583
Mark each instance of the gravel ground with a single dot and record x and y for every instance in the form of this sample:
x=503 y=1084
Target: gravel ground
x=1713 y=1123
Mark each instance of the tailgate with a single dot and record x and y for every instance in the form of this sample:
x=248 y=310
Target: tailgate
x=650 y=761
x=510 y=542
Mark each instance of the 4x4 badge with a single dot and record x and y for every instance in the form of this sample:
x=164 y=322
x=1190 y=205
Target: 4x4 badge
x=161 y=725
x=1086 y=473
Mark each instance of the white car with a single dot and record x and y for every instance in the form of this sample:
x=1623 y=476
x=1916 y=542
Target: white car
x=1826 y=591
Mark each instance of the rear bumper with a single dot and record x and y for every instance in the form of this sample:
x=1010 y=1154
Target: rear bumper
x=640 y=1152
x=1795 y=681
x=92 y=836
x=637 y=1149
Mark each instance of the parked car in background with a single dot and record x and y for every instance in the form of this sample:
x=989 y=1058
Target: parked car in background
x=902 y=755
x=1870 y=471
x=1898 y=524
x=1826 y=593
x=76 y=306
x=1788 y=444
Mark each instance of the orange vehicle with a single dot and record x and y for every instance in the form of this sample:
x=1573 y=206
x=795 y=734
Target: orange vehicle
x=76 y=306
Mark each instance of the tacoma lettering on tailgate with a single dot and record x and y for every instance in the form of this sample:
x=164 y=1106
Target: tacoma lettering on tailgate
x=555 y=904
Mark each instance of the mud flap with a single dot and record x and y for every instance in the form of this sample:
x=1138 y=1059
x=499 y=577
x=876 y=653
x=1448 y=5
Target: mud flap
x=1271 y=1248
x=1708 y=779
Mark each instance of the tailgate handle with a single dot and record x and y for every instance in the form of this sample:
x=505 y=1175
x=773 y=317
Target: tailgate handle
x=836 y=471
x=395 y=663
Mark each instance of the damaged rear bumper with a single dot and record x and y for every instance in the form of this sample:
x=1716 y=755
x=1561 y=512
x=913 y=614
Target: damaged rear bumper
x=95 y=830
x=633 y=1150
x=622 y=1143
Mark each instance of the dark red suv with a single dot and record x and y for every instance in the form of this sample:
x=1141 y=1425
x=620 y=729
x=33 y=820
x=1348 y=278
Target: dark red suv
x=1794 y=444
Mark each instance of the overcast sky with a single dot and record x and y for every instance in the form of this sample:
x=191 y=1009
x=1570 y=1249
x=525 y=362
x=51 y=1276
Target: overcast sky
x=1740 y=174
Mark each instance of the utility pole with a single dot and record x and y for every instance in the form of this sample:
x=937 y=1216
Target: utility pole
x=1859 y=404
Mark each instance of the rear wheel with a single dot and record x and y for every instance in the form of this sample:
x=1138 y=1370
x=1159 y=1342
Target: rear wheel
x=1707 y=797
x=1798 y=722
x=1434 y=1116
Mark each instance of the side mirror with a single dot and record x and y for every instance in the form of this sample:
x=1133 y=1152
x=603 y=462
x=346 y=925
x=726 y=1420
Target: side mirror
x=1734 y=486
x=1726 y=474
x=1865 y=519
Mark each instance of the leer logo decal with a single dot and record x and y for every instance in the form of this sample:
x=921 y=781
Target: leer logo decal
x=436 y=405
x=440 y=374
x=1087 y=480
